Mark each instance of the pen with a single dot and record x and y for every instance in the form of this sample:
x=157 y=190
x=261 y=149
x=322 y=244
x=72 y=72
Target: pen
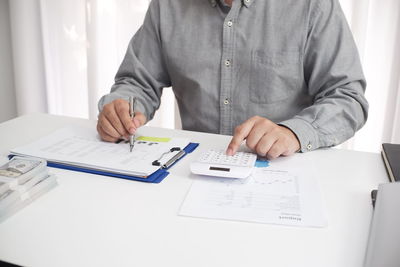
x=374 y=194
x=132 y=101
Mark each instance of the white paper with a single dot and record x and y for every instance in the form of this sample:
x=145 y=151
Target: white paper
x=82 y=147
x=285 y=193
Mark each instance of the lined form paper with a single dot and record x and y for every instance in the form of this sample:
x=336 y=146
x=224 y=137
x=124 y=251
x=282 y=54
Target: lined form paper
x=82 y=147
x=279 y=194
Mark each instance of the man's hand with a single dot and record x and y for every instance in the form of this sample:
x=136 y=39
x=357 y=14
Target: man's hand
x=114 y=121
x=265 y=138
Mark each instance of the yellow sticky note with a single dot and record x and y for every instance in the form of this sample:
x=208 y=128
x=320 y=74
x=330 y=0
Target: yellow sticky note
x=153 y=139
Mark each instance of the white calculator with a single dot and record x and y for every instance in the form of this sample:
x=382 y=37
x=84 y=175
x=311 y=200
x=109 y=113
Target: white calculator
x=217 y=163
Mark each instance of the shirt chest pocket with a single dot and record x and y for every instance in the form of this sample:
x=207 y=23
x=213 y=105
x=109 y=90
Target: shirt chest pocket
x=275 y=76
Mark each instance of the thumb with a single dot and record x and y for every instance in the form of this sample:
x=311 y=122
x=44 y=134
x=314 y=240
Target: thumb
x=139 y=119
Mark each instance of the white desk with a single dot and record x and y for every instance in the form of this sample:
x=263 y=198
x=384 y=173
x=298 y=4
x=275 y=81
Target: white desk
x=91 y=220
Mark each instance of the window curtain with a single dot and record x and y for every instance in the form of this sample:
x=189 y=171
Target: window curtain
x=376 y=28
x=66 y=53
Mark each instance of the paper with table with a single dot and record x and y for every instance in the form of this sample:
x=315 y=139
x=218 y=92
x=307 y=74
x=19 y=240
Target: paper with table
x=286 y=192
x=80 y=148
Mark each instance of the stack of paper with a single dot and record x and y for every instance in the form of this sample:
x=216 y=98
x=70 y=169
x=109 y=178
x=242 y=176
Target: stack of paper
x=285 y=192
x=21 y=181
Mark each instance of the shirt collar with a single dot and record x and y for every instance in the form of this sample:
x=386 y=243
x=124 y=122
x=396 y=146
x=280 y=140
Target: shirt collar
x=247 y=3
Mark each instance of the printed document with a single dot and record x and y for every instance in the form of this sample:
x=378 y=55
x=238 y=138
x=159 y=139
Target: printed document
x=82 y=147
x=286 y=193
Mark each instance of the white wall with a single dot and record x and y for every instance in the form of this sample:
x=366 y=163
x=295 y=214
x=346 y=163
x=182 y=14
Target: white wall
x=8 y=108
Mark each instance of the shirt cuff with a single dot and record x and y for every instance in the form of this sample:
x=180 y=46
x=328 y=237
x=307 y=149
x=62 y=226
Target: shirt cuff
x=305 y=132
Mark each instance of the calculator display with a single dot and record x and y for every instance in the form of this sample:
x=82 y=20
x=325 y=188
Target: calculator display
x=219 y=169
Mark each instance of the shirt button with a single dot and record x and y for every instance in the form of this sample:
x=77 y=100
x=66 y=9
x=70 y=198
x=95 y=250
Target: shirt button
x=309 y=146
x=226 y=102
x=229 y=23
x=227 y=62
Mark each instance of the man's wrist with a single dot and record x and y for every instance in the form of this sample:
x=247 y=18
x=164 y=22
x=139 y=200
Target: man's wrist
x=304 y=132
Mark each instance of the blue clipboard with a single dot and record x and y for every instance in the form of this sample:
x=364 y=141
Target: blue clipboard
x=155 y=177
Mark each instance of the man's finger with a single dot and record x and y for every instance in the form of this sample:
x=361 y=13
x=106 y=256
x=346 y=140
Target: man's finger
x=104 y=136
x=259 y=130
x=241 y=132
x=114 y=118
x=108 y=127
x=139 y=120
x=277 y=149
x=122 y=109
x=265 y=144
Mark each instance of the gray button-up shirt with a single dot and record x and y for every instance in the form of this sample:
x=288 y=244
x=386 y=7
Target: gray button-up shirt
x=293 y=62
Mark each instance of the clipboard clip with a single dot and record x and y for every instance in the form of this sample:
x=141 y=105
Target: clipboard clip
x=170 y=162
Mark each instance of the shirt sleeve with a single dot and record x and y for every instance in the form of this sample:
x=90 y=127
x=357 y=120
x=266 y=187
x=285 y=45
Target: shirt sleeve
x=333 y=73
x=142 y=73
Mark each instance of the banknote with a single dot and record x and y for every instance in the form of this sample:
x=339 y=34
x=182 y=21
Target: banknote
x=3 y=187
x=16 y=167
x=10 y=174
x=22 y=165
x=20 y=170
x=5 y=194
